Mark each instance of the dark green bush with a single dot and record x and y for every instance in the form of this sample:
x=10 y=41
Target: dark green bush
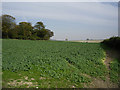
x=113 y=42
x=34 y=38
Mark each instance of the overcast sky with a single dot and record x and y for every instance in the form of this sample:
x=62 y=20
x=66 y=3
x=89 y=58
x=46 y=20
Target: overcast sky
x=72 y=20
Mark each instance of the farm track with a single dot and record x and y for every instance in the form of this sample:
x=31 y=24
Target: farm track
x=98 y=83
x=110 y=55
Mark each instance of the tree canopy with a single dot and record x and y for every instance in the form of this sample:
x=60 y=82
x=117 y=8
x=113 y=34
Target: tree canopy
x=8 y=23
x=24 y=30
x=39 y=25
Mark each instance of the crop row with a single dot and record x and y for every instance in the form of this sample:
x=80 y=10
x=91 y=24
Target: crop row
x=54 y=59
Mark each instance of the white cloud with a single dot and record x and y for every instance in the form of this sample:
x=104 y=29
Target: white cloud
x=99 y=18
x=87 y=13
x=0 y=8
x=60 y=0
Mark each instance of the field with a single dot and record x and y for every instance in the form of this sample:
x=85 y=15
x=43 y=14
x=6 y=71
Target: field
x=89 y=41
x=52 y=64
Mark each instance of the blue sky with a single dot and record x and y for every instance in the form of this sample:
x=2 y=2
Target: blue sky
x=75 y=21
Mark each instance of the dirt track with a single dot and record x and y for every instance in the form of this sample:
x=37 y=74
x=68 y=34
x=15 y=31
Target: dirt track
x=99 y=83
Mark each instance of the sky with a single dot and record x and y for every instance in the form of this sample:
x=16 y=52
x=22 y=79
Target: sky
x=72 y=20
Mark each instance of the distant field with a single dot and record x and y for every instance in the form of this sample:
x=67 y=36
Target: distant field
x=89 y=41
x=51 y=64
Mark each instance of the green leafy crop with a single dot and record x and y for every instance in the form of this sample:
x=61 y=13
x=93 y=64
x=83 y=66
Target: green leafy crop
x=56 y=59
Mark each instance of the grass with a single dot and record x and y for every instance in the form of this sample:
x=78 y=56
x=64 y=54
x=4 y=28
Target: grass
x=114 y=65
x=115 y=71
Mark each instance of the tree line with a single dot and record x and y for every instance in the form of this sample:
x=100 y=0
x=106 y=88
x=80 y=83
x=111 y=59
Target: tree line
x=24 y=30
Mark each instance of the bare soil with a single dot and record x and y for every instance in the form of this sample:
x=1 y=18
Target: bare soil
x=20 y=82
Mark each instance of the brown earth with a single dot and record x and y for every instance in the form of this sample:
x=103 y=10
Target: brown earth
x=21 y=82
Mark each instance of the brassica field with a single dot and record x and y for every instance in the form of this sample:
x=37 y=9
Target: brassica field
x=52 y=63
